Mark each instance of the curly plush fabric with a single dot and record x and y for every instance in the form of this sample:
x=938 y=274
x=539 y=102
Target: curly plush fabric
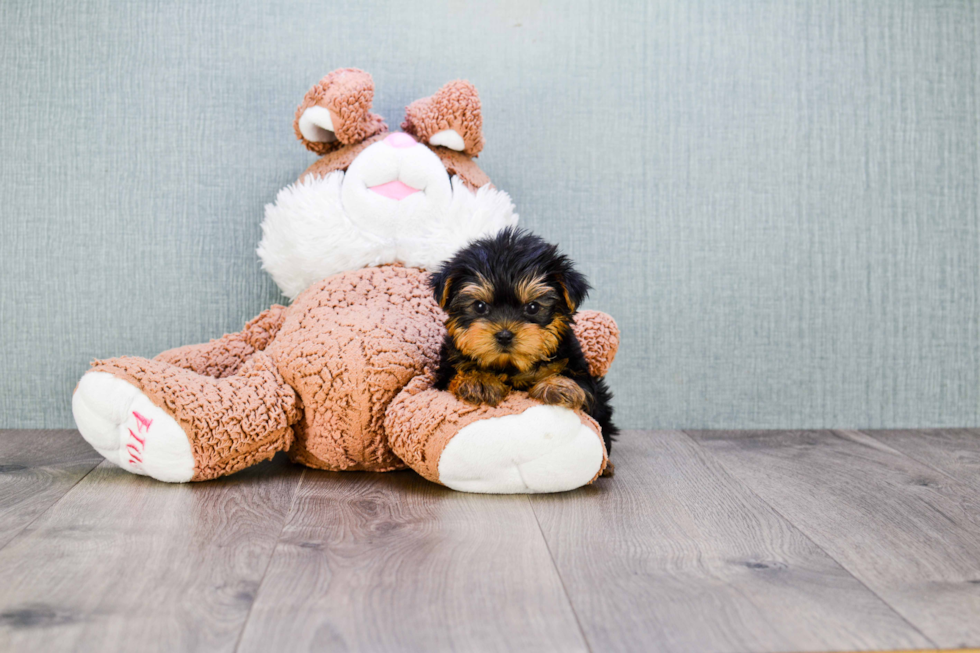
x=340 y=158
x=326 y=379
x=345 y=379
x=224 y=356
x=599 y=335
x=347 y=94
x=310 y=233
x=341 y=379
x=455 y=106
x=231 y=423
x=459 y=165
x=421 y=421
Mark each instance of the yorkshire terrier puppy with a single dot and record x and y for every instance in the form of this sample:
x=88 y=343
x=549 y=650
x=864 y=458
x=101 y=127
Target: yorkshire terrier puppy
x=511 y=301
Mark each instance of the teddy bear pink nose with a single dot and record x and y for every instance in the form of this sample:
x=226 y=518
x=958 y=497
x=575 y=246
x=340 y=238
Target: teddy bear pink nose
x=400 y=139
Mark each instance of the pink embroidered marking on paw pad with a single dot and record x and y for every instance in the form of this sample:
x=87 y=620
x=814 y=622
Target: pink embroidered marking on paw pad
x=395 y=190
x=136 y=450
x=142 y=423
x=142 y=441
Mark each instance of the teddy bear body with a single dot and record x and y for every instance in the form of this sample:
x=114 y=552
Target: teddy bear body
x=342 y=378
x=348 y=345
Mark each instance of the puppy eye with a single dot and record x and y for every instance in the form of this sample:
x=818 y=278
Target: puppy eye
x=480 y=308
x=533 y=308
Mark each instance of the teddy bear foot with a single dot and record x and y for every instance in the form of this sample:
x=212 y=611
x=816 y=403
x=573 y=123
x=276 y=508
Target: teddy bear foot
x=543 y=449
x=129 y=430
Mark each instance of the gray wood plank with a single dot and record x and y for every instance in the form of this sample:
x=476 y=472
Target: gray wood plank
x=953 y=451
x=674 y=554
x=123 y=562
x=906 y=531
x=391 y=562
x=36 y=469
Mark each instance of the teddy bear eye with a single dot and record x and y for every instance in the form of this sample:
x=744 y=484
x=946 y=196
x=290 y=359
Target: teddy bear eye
x=480 y=308
x=532 y=308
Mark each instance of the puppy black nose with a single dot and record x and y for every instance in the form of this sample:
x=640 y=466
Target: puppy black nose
x=504 y=337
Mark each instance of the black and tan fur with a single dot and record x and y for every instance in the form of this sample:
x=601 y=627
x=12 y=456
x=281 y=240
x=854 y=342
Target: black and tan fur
x=511 y=301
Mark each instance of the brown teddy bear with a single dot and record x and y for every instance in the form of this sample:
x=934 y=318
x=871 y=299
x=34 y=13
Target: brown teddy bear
x=341 y=378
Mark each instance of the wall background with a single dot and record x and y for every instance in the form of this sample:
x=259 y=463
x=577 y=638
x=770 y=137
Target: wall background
x=778 y=201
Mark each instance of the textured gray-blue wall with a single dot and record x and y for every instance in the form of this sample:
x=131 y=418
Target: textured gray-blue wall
x=778 y=201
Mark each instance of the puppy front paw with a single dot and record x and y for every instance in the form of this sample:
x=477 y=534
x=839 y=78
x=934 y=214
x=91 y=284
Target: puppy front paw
x=479 y=388
x=559 y=391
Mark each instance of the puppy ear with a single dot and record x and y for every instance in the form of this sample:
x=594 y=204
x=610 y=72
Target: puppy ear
x=573 y=285
x=442 y=287
x=336 y=112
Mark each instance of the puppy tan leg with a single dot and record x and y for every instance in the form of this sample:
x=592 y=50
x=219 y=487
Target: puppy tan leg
x=559 y=391
x=479 y=388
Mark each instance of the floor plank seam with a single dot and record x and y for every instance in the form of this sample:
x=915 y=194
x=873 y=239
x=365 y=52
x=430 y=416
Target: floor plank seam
x=554 y=565
x=802 y=532
x=272 y=555
x=53 y=504
x=924 y=463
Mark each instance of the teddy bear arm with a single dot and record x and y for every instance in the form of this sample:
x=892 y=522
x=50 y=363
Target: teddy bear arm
x=598 y=335
x=224 y=356
x=519 y=446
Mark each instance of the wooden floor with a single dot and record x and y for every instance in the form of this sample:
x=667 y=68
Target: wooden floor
x=703 y=541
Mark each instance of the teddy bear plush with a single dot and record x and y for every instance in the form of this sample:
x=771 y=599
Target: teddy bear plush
x=341 y=378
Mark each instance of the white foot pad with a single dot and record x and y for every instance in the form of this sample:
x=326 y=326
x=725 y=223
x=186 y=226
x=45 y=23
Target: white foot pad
x=128 y=429
x=543 y=449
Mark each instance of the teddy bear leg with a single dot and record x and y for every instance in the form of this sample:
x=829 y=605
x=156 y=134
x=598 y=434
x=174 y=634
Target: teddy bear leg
x=225 y=355
x=160 y=420
x=517 y=447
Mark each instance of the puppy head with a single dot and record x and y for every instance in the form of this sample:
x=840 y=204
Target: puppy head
x=510 y=299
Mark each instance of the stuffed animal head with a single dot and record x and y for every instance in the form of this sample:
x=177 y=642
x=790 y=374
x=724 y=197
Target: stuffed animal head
x=376 y=197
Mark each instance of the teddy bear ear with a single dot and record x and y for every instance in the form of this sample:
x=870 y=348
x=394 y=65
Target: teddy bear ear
x=336 y=112
x=450 y=118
